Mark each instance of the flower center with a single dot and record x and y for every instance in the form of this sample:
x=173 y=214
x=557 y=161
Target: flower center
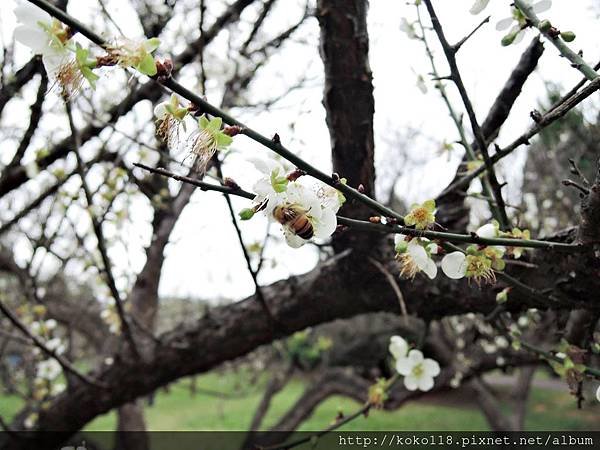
x=480 y=268
x=420 y=214
x=418 y=371
x=408 y=268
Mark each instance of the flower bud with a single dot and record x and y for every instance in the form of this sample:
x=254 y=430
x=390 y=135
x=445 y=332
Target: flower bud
x=509 y=38
x=544 y=25
x=567 y=36
x=247 y=214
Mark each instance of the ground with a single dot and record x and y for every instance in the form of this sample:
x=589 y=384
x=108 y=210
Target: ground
x=550 y=408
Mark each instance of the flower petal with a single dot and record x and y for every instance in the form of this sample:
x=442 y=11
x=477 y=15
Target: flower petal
x=160 y=110
x=425 y=383
x=519 y=37
x=431 y=366
x=430 y=269
x=326 y=225
x=487 y=231
x=479 y=6
x=52 y=63
x=399 y=238
x=29 y=14
x=33 y=38
x=411 y=382
x=415 y=356
x=398 y=347
x=454 y=265
x=404 y=366
x=504 y=23
x=542 y=6
x=292 y=239
x=418 y=253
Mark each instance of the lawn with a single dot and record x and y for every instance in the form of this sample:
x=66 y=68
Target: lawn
x=177 y=409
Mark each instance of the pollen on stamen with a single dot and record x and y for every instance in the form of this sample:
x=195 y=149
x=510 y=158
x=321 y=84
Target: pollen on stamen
x=202 y=146
x=69 y=79
x=167 y=130
x=408 y=267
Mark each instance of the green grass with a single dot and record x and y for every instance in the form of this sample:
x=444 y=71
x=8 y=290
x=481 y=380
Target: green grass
x=177 y=409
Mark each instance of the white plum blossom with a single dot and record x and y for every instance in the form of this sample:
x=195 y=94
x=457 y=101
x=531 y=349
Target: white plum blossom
x=331 y=198
x=323 y=219
x=56 y=345
x=421 y=84
x=479 y=6
x=415 y=256
x=519 y=21
x=30 y=420
x=48 y=369
x=408 y=28
x=43 y=34
x=418 y=371
x=276 y=189
x=454 y=265
x=398 y=347
x=32 y=169
x=476 y=263
x=272 y=185
x=488 y=231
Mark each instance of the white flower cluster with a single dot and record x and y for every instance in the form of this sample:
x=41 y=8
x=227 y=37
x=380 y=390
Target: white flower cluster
x=305 y=212
x=417 y=370
x=43 y=34
x=517 y=22
x=415 y=255
x=66 y=62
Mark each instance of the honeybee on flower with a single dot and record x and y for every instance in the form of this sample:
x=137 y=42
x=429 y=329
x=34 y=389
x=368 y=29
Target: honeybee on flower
x=305 y=212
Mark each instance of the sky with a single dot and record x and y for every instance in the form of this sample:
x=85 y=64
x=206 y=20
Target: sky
x=203 y=258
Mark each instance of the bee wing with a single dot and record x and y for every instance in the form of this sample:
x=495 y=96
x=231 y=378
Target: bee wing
x=292 y=239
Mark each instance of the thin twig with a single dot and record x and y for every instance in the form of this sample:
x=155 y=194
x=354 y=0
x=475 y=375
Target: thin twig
x=576 y=185
x=458 y=123
x=547 y=119
x=576 y=60
x=456 y=47
x=390 y=229
x=66 y=365
x=477 y=132
x=393 y=283
x=97 y=227
x=272 y=144
x=194 y=181
x=259 y=293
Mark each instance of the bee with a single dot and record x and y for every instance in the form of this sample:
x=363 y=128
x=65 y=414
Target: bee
x=295 y=219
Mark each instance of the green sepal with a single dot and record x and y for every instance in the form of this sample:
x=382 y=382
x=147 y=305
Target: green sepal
x=147 y=66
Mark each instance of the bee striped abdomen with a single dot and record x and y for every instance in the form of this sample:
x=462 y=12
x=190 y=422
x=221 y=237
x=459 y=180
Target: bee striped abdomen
x=295 y=219
x=303 y=227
